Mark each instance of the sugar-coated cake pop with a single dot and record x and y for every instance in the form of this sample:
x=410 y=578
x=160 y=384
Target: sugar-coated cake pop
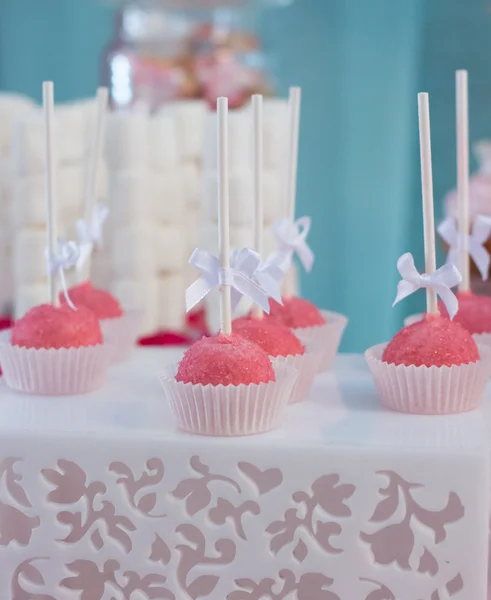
x=272 y=336
x=474 y=312
x=48 y=326
x=434 y=341
x=225 y=360
x=296 y=312
x=102 y=303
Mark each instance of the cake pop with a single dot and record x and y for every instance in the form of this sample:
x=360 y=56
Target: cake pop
x=296 y=312
x=474 y=312
x=434 y=341
x=225 y=384
x=47 y=326
x=55 y=349
x=314 y=327
x=103 y=304
x=225 y=360
x=273 y=337
x=120 y=328
x=432 y=366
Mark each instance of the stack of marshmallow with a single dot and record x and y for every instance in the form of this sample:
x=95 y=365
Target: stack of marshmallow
x=154 y=191
x=72 y=127
x=158 y=176
x=241 y=183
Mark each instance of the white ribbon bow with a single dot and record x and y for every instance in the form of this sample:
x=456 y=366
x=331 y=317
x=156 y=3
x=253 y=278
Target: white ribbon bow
x=292 y=238
x=90 y=232
x=481 y=229
x=440 y=281
x=66 y=257
x=268 y=274
x=213 y=276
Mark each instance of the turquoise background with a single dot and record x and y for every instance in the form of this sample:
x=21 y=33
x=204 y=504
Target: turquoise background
x=360 y=65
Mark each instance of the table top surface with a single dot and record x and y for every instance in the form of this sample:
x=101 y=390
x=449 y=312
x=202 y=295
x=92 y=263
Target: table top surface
x=343 y=410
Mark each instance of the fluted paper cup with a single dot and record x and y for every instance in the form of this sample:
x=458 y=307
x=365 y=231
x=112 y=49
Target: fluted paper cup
x=229 y=410
x=307 y=367
x=54 y=372
x=429 y=390
x=325 y=338
x=122 y=333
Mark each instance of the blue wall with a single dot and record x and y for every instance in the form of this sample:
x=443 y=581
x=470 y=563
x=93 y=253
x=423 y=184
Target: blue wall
x=361 y=65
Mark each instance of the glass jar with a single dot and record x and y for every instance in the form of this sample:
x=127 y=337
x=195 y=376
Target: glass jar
x=165 y=50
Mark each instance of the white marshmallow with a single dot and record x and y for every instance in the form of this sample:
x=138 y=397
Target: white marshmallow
x=128 y=197
x=27 y=146
x=171 y=303
x=239 y=144
x=139 y=295
x=192 y=182
x=28 y=296
x=73 y=133
x=12 y=107
x=70 y=184
x=189 y=116
x=167 y=196
x=100 y=268
x=29 y=264
x=240 y=237
x=28 y=202
x=170 y=248
x=164 y=153
x=126 y=141
x=193 y=231
x=241 y=195
x=132 y=252
x=272 y=191
x=275 y=132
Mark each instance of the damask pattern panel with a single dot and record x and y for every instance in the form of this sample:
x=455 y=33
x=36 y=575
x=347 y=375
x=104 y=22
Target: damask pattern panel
x=191 y=518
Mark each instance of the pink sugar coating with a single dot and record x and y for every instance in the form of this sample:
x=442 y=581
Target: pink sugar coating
x=474 y=312
x=434 y=341
x=296 y=312
x=102 y=303
x=225 y=360
x=48 y=326
x=274 y=338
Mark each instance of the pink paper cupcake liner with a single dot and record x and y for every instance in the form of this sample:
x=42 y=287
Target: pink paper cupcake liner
x=429 y=390
x=307 y=367
x=325 y=337
x=54 y=372
x=229 y=410
x=122 y=333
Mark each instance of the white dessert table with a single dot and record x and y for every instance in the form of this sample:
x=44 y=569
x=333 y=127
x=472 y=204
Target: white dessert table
x=101 y=497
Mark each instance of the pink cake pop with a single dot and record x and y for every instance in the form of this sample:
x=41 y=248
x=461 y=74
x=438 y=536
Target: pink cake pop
x=434 y=341
x=474 y=312
x=273 y=337
x=226 y=385
x=432 y=366
x=55 y=349
x=225 y=360
x=102 y=303
x=48 y=326
x=296 y=312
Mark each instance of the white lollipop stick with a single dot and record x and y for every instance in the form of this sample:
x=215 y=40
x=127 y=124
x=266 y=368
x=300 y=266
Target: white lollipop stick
x=294 y=102
x=258 y=149
x=427 y=190
x=93 y=165
x=50 y=186
x=223 y=214
x=463 y=177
